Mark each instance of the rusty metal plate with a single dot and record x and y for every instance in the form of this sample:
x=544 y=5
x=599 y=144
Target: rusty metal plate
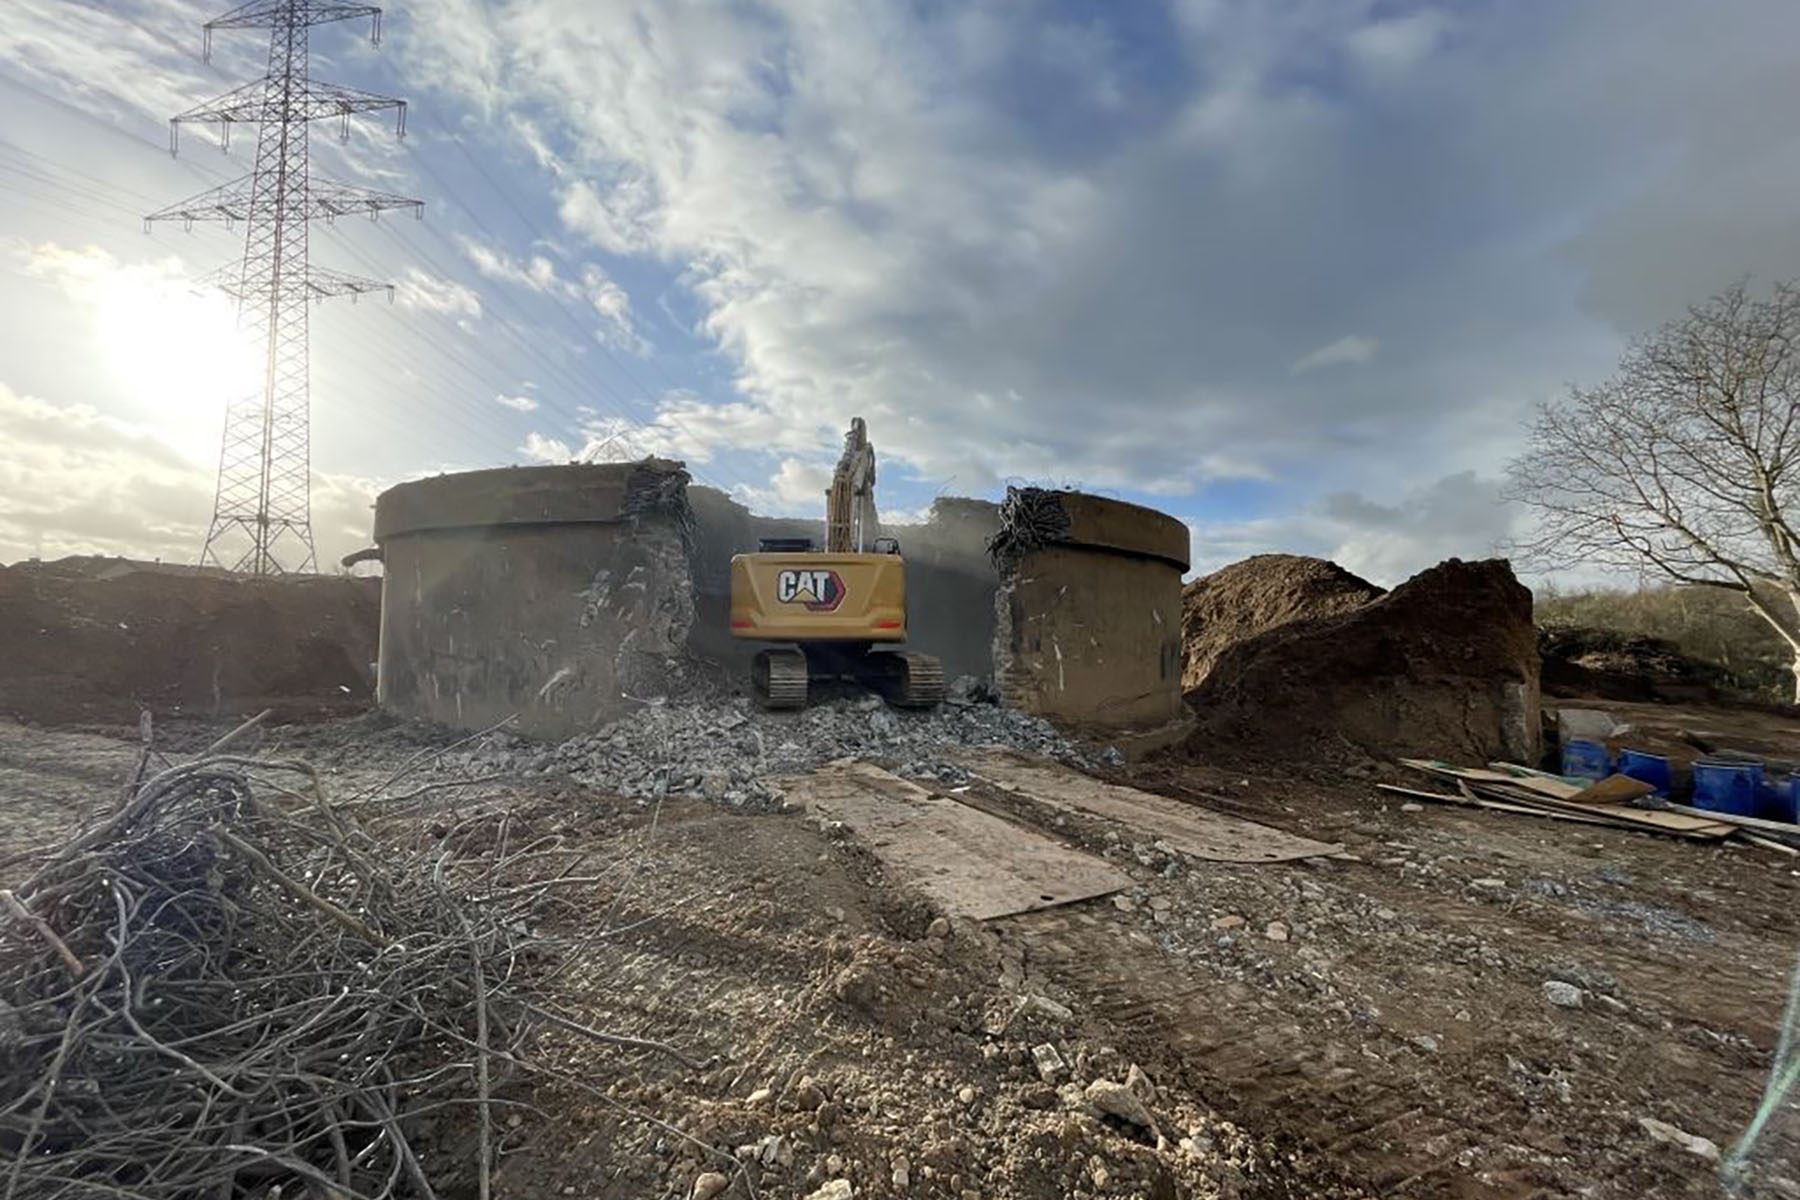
x=1189 y=828
x=969 y=863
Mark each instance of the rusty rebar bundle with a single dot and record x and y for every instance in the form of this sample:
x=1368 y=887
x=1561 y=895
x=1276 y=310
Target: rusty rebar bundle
x=231 y=984
x=1030 y=519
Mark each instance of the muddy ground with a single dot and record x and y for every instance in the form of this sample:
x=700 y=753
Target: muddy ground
x=1376 y=1025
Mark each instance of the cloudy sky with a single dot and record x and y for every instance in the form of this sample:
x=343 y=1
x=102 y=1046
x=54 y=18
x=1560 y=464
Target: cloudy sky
x=1292 y=270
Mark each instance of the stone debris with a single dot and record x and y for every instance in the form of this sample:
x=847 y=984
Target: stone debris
x=837 y=1189
x=1693 y=1143
x=1118 y=1100
x=1563 y=995
x=727 y=750
x=709 y=1184
x=1049 y=1063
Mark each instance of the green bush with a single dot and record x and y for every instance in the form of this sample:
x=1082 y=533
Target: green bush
x=1709 y=624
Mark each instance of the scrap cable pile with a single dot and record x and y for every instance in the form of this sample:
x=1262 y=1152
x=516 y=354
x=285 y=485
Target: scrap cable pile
x=230 y=985
x=1030 y=519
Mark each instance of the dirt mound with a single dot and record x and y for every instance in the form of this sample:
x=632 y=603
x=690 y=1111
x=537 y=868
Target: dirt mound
x=1255 y=595
x=1445 y=666
x=81 y=649
x=1606 y=664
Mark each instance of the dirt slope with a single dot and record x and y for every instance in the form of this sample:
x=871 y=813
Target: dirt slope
x=1444 y=666
x=79 y=649
x=1255 y=595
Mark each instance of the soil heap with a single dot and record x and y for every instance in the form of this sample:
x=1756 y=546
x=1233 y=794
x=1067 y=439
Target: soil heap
x=1605 y=664
x=91 y=646
x=1261 y=592
x=1444 y=666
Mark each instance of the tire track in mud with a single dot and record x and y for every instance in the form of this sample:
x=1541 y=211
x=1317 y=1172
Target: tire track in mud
x=1257 y=1067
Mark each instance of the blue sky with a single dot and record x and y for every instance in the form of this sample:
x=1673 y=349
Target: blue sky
x=1292 y=270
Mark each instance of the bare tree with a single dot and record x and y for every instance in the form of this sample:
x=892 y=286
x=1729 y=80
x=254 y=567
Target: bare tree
x=1686 y=463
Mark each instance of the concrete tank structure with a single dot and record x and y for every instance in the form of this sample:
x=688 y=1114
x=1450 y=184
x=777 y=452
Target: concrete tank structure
x=559 y=594
x=1088 y=615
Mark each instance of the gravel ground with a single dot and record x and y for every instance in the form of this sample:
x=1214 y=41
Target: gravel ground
x=1470 y=1005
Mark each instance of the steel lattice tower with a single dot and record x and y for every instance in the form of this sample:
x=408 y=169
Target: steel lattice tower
x=265 y=488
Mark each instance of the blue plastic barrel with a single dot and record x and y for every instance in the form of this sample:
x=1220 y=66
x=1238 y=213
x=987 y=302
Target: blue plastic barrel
x=1583 y=759
x=1779 y=799
x=1652 y=769
x=1727 y=787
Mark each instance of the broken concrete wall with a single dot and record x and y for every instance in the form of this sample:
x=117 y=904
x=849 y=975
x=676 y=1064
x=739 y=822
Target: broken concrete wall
x=1088 y=614
x=1444 y=666
x=950 y=582
x=560 y=595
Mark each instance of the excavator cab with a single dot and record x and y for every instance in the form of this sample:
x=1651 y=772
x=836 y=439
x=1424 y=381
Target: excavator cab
x=839 y=613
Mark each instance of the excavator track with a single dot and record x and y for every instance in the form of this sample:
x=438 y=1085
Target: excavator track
x=920 y=681
x=779 y=677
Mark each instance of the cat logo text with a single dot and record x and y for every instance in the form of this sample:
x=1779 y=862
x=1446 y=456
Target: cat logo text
x=819 y=591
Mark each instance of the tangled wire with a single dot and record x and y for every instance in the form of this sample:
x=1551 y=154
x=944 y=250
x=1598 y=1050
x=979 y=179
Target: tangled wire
x=1030 y=519
x=231 y=984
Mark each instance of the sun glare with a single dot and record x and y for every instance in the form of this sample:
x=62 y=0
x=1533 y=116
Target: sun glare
x=172 y=347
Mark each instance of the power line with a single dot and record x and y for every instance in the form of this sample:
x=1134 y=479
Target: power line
x=532 y=227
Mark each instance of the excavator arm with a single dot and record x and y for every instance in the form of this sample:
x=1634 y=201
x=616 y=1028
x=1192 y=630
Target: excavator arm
x=850 y=520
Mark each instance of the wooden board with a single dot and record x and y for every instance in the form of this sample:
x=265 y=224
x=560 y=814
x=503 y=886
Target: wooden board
x=1614 y=789
x=968 y=863
x=1776 y=827
x=1498 y=806
x=1189 y=828
x=1514 y=788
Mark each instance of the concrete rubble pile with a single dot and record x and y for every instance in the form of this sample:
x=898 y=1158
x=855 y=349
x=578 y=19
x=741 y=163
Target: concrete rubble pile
x=730 y=750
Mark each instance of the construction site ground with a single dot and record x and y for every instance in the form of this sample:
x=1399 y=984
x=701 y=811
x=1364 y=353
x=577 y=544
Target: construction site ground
x=1375 y=1024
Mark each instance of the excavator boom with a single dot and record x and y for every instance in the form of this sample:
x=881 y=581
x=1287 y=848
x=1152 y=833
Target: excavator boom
x=850 y=521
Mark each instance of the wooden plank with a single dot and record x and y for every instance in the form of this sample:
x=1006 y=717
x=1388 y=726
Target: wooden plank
x=1766 y=843
x=970 y=864
x=1510 y=788
x=1501 y=806
x=1424 y=795
x=1655 y=820
x=1614 y=789
x=1189 y=828
x=1767 y=826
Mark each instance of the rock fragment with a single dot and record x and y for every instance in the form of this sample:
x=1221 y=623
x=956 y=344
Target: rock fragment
x=1563 y=995
x=1693 y=1143
x=1115 y=1099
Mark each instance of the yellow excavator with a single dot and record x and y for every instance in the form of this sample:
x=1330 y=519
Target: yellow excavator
x=840 y=612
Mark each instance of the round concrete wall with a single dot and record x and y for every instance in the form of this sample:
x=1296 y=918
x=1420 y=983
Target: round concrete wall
x=1089 y=609
x=556 y=595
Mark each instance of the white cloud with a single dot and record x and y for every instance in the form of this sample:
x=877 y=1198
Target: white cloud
x=546 y=450
x=417 y=289
x=520 y=403
x=76 y=481
x=797 y=489
x=1351 y=350
x=614 y=306
x=535 y=272
x=1392 y=45
x=1386 y=542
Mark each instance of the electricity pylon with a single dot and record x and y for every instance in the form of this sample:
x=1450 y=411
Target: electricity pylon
x=265 y=464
